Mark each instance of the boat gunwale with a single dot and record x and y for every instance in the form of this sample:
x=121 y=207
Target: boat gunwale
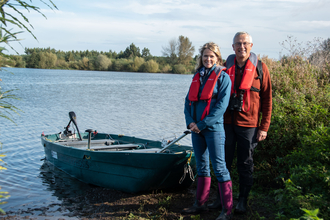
x=186 y=149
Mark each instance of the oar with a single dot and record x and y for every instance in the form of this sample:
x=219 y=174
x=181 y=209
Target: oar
x=174 y=141
x=73 y=117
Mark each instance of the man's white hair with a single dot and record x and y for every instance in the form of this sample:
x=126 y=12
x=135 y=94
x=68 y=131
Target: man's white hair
x=242 y=33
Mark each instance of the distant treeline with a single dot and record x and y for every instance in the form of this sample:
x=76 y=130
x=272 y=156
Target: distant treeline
x=129 y=60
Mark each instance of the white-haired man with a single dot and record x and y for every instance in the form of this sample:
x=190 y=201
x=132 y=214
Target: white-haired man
x=248 y=115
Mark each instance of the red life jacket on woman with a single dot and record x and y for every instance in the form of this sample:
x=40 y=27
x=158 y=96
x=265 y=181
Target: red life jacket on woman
x=208 y=88
x=247 y=78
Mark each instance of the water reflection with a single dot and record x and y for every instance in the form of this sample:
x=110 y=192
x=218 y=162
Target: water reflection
x=61 y=184
x=75 y=197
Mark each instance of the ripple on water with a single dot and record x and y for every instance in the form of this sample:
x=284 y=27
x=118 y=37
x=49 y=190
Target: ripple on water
x=136 y=104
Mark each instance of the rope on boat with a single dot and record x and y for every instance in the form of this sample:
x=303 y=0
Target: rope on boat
x=187 y=169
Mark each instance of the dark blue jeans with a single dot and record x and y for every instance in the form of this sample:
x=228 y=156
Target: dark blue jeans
x=210 y=145
x=245 y=139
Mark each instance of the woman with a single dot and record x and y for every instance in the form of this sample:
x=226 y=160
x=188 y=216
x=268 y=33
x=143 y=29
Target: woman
x=205 y=104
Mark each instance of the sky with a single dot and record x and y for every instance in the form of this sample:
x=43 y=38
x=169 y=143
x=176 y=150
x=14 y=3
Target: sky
x=104 y=25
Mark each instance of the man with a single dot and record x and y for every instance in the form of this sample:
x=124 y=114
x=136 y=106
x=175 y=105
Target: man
x=248 y=115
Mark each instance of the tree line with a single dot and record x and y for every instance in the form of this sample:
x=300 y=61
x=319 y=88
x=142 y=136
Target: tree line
x=177 y=58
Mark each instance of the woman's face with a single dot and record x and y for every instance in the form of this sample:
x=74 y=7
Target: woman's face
x=209 y=58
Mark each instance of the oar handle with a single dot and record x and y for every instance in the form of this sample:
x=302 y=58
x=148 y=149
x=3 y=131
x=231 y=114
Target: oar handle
x=174 y=141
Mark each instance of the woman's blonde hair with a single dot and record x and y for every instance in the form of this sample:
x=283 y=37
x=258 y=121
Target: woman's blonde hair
x=214 y=48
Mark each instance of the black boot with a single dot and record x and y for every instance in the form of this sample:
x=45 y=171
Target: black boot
x=241 y=206
x=244 y=191
x=217 y=203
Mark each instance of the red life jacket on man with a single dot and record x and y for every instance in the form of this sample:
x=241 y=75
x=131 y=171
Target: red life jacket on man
x=208 y=88
x=247 y=78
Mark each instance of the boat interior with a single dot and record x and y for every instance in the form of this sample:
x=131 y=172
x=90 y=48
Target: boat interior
x=107 y=145
x=94 y=141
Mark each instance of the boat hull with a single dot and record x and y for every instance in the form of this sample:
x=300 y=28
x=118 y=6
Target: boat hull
x=124 y=170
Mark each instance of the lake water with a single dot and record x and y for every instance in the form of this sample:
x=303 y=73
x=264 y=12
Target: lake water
x=137 y=104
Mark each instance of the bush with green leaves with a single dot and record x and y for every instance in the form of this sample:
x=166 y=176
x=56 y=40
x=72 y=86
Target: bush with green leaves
x=179 y=69
x=47 y=60
x=150 y=66
x=310 y=215
x=62 y=64
x=136 y=64
x=166 y=68
x=309 y=183
x=120 y=65
x=102 y=62
x=19 y=62
x=295 y=155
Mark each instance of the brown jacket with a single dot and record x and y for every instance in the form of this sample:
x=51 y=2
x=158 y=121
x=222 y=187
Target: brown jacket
x=259 y=114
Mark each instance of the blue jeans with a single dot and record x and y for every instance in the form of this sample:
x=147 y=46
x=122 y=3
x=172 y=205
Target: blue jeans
x=210 y=145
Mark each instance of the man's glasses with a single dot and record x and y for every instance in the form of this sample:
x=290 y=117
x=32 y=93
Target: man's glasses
x=238 y=44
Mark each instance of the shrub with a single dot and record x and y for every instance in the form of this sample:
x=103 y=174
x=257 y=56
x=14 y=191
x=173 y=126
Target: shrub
x=102 y=62
x=295 y=155
x=19 y=61
x=309 y=170
x=179 y=69
x=4 y=61
x=166 y=69
x=136 y=64
x=62 y=64
x=120 y=65
x=47 y=60
x=74 y=65
x=150 y=66
x=190 y=69
x=84 y=64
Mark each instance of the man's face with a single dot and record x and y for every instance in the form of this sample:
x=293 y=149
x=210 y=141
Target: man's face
x=242 y=46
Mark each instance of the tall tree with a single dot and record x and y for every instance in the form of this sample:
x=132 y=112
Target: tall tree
x=185 y=50
x=169 y=51
x=69 y=56
x=179 y=51
x=146 y=53
x=33 y=60
x=131 y=51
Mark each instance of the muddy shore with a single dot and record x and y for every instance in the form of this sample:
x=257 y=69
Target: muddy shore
x=102 y=203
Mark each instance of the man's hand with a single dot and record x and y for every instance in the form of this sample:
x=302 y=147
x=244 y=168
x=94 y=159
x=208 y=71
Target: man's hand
x=261 y=135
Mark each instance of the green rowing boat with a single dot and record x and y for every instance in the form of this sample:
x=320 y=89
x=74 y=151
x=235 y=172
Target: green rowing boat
x=120 y=162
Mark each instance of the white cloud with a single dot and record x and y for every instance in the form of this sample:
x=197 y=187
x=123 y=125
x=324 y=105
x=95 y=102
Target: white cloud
x=315 y=24
x=105 y=25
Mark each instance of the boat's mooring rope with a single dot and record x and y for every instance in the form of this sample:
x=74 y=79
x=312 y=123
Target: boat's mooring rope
x=187 y=169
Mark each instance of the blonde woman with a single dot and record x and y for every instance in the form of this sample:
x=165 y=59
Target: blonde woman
x=205 y=104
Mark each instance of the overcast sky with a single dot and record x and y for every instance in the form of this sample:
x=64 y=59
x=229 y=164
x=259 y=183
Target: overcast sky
x=105 y=25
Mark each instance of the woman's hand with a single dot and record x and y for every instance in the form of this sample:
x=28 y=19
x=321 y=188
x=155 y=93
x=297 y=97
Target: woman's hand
x=193 y=127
